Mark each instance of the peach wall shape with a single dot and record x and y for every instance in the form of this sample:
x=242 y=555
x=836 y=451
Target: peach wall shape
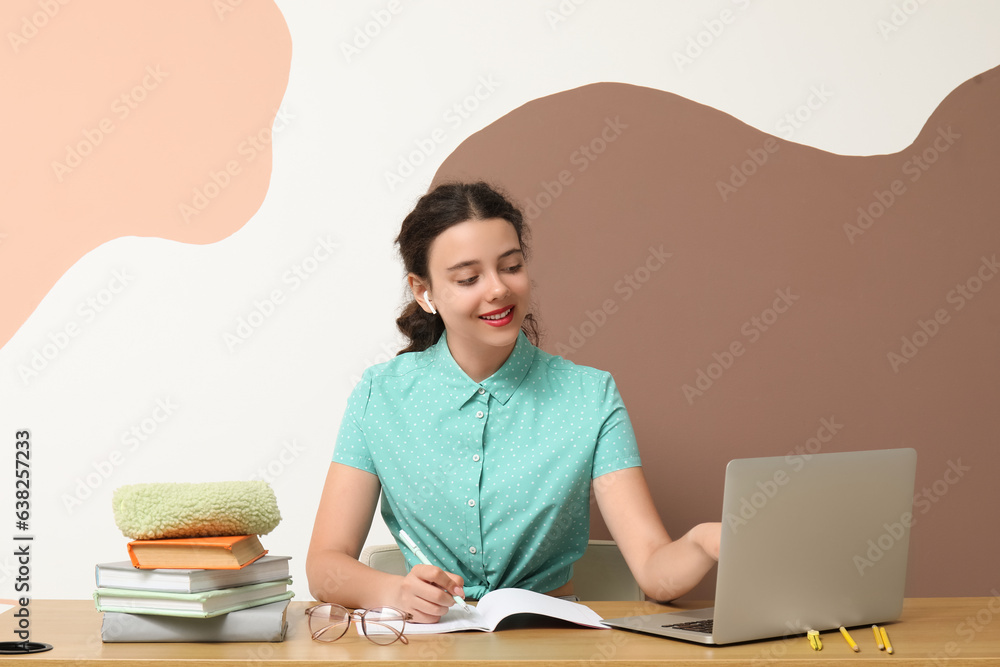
x=130 y=119
x=845 y=262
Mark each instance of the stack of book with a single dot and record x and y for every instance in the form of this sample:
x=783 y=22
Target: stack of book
x=202 y=589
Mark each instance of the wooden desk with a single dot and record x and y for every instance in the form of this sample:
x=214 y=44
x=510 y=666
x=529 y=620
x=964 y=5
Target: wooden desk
x=965 y=630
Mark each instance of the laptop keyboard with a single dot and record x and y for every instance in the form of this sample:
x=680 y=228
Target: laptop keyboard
x=694 y=626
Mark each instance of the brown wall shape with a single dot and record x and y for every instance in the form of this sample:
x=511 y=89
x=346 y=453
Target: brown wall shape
x=859 y=293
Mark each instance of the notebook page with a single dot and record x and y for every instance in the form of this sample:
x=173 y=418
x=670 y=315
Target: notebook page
x=499 y=604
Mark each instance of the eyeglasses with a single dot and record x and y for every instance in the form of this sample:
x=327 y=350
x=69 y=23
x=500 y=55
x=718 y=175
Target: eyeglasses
x=383 y=626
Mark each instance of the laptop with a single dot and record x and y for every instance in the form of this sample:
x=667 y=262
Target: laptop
x=809 y=542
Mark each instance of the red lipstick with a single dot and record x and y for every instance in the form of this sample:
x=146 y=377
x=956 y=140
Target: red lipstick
x=501 y=321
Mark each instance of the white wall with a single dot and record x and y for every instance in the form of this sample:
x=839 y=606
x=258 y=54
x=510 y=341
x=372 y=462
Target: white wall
x=275 y=401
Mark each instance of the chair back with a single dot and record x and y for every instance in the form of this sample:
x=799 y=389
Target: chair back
x=600 y=574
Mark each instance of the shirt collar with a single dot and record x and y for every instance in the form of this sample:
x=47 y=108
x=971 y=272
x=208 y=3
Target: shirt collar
x=501 y=385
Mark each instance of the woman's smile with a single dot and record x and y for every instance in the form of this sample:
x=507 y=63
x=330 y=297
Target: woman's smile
x=499 y=318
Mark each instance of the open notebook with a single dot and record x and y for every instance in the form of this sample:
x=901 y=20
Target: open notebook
x=503 y=603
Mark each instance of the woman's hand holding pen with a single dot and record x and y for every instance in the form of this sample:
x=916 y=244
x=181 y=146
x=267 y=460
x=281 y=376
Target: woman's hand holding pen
x=426 y=592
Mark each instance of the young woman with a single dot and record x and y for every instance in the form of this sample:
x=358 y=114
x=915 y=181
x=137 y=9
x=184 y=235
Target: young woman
x=482 y=446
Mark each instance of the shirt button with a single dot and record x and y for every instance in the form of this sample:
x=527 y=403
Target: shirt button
x=472 y=550
x=481 y=391
x=479 y=415
x=475 y=457
x=472 y=503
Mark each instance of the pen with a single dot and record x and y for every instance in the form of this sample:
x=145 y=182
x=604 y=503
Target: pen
x=423 y=559
x=878 y=638
x=850 y=640
x=885 y=639
x=814 y=640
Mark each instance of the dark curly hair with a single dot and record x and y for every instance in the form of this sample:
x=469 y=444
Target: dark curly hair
x=445 y=206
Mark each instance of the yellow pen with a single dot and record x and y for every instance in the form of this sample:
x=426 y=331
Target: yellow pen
x=850 y=640
x=885 y=639
x=815 y=641
x=878 y=638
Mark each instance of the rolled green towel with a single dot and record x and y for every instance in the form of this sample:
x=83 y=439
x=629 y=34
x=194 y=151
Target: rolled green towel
x=183 y=509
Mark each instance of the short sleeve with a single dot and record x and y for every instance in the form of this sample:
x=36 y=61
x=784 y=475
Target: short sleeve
x=616 y=445
x=352 y=445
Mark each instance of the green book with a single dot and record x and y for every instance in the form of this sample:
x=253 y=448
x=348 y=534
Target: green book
x=197 y=605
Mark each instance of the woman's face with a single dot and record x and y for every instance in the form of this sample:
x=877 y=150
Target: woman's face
x=479 y=285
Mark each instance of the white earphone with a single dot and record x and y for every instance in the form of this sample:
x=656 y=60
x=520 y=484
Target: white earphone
x=427 y=298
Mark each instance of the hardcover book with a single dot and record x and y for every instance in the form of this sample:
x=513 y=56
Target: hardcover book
x=263 y=623
x=229 y=552
x=122 y=574
x=204 y=604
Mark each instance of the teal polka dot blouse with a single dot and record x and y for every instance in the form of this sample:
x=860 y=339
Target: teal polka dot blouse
x=492 y=479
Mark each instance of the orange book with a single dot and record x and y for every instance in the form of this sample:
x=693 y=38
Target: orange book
x=231 y=552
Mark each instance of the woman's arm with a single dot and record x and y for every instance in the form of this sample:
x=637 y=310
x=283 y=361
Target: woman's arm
x=344 y=517
x=665 y=569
